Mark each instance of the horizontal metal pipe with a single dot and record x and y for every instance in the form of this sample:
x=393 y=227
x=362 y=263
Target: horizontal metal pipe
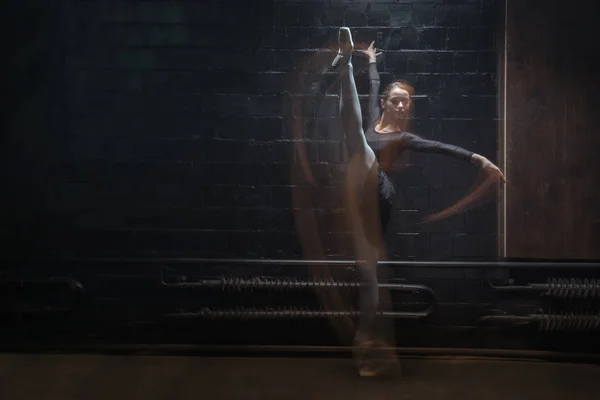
x=66 y=283
x=272 y=284
x=287 y=262
x=550 y=322
x=507 y=319
x=295 y=314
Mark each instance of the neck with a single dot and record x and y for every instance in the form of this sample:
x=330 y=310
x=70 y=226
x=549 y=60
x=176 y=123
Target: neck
x=391 y=124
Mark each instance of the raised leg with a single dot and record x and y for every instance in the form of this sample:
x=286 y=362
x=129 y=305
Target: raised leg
x=361 y=200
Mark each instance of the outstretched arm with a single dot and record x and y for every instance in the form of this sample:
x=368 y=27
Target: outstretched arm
x=415 y=143
x=431 y=146
x=374 y=84
x=494 y=175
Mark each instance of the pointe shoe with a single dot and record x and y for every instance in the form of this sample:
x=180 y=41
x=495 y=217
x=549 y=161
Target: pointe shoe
x=373 y=358
x=346 y=47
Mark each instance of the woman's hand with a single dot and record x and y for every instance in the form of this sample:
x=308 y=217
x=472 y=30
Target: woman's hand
x=489 y=167
x=371 y=52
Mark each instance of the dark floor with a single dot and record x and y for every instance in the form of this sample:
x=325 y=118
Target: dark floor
x=67 y=377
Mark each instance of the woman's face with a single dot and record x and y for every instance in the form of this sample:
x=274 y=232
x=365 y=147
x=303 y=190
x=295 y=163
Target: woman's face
x=397 y=103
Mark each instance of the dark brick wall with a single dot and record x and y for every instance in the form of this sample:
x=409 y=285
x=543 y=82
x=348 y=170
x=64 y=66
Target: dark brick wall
x=166 y=124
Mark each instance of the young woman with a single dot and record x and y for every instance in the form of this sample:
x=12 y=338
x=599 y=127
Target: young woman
x=369 y=190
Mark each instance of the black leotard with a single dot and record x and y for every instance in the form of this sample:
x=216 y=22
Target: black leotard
x=394 y=144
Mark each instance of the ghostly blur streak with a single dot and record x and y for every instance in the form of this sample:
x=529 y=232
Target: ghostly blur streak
x=305 y=194
x=483 y=190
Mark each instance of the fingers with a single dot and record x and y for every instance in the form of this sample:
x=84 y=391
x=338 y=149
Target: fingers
x=498 y=175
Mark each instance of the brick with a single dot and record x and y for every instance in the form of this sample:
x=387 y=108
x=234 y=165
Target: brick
x=428 y=128
x=492 y=14
x=453 y=224
x=329 y=152
x=423 y=107
x=474 y=246
x=396 y=61
x=483 y=39
x=444 y=107
x=333 y=16
x=311 y=15
x=405 y=221
x=274 y=38
x=280 y=197
x=319 y=37
x=405 y=246
x=400 y=15
x=479 y=106
x=355 y=15
x=232 y=105
x=379 y=15
x=225 y=151
x=489 y=149
x=466 y=61
x=441 y=247
x=469 y=131
x=239 y=174
x=487 y=61
x=327 y=107
x=421 y=62
x=288 y=15
x=264 y=14
x=297 y=38
x=121 y=11
x=178 y=195
x=270 y=244
x=247 y=218
x=162 y=150
x=214 y=243
x=432 y=38
x=338 y=244
x=258 y=61
x=284 y=60
x=446 y=15
x=176 y=172
x=308 y=109
x=288 y=221
x=323 y=127
x=480 y=84
x=424 y=84
x=284 y=152
x=451 y=85
x=265 y=106
x=458 y=39
x=446 y=63
x=236 y=196
x=482 y=220
x=330 y=195
x=423 y=14
x=92 y=241
x=403 y=38
x=469 y=15
x=311 y=150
